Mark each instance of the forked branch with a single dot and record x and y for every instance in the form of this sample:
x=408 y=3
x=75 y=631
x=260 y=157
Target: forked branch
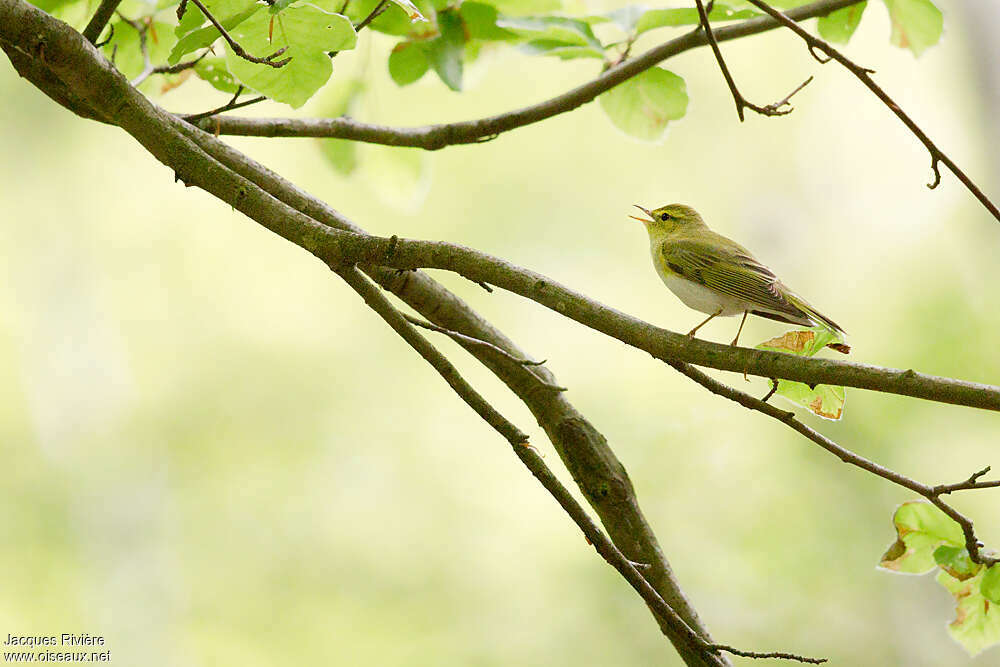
x=780 y=108
x=864 y=75
x=931 y=493
x=270 y=61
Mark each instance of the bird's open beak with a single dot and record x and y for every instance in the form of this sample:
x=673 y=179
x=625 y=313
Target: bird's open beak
x=646 y=211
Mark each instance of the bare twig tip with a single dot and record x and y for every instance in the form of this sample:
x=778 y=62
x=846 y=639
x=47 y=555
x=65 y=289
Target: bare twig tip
x=935 y=167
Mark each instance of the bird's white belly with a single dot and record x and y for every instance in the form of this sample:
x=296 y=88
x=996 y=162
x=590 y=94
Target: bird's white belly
x=701 y=298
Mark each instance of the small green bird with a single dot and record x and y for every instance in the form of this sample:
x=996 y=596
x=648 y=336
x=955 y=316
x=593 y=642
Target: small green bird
x=715 y=275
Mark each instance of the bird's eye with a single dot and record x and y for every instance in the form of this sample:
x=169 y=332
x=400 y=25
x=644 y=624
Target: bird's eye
x=665 y=216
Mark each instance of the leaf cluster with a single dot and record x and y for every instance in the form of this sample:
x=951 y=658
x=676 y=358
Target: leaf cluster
x=439 y=36
x=927 y=539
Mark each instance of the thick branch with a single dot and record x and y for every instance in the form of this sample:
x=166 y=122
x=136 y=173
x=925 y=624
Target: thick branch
x=661 y=343
x=54 y=50
x=519 y=441
x=864 y=75
x=433 y=137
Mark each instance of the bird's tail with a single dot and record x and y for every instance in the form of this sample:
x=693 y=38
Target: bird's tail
x=816 y=316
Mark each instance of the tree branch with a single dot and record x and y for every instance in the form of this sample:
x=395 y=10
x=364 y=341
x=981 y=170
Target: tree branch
x=76 y=75
x=433 y=137
x=864 y=75
x=231 y=104
x=104 y=12
x=661 y=343
x=582 y=448
x=338 y=247
x=931 y=493
x=431 y=355
x=519 y=441
x=775 y=109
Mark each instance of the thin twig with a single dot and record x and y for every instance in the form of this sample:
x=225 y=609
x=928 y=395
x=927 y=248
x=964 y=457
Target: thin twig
x=434 y=137
x=179 y=67
x=104 y=12
x=931 y=493
x=968 y=485
x=470 y=341
x=864 y=75
x=235 y=46
x=231 y=104
x=379 y=8
x=107 y=40
x=774 y=655
x=775 y=109
x=141 y=29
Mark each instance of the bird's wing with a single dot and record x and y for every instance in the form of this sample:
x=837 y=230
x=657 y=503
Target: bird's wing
x=731 y=271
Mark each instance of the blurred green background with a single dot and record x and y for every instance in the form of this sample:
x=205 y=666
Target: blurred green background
x=214 y=453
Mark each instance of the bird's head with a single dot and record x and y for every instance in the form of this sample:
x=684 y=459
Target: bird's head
x=669 y=218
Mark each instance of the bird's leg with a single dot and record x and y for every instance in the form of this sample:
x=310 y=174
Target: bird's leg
x=704 y=322
x=740 y=330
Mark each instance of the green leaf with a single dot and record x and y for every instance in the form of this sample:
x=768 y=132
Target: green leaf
x=407 y=63
x=661 y=18
x=230 y=13
x=627 y=17
x=526 y=7
x=445 y=52
x=307 y=32
x=411 y=10
x=400 y=177
x=826 y=401
x=956 y=562
x=480 y=22
x=916 y=24
x=644 y=105
x=279 y=6
x=394 y=20
x=841 y=24
x=550 y=47
x=920 y=529
x=215 y=72
x=192 y=19
x=990 y=587
x=977 y=620
x=569 y=32
x=51 y=6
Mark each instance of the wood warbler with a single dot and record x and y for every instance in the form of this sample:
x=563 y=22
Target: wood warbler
x=715 y=275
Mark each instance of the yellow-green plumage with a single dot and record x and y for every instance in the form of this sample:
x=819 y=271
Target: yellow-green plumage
x=718 y=276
